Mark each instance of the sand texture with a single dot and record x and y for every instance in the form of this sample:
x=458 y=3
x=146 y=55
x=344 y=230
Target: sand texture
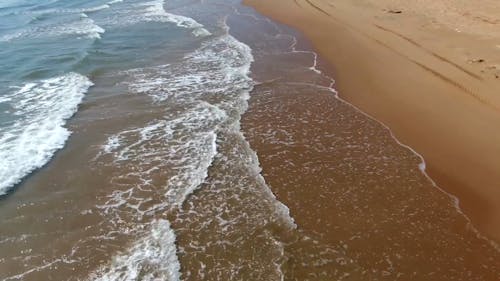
x=430 y=70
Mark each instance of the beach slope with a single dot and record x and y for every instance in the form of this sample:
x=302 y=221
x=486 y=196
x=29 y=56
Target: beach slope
x=430 y=70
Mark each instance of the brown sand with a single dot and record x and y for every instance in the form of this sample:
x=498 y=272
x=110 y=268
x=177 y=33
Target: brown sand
x=430 y=71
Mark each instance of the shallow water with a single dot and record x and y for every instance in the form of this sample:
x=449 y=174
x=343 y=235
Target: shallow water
x=158 y=181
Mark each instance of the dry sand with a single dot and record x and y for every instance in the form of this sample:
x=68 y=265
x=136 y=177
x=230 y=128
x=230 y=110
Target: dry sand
x=430 y=70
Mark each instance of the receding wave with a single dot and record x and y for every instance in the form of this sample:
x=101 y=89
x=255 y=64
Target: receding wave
x=73 y=11
x=162 y=163
x=40 y=112
x=151 y=258
x=153 y=11
x=81 y=27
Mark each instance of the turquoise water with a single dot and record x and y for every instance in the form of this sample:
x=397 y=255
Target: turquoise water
x=114 y=113
x=122 y=158
x=50 y=52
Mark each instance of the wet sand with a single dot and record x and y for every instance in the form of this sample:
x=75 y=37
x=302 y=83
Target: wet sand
x=427 y=70
x=165 y=190
x=351 y=185
x=160 y=181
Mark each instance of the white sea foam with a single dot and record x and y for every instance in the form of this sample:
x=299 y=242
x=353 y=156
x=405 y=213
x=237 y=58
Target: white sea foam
x=40 y=110
x=4 y=99
x=73 y=11
x=153 y=11
x=187 y=143
x=151 y=258
x=185 y=140
x=66 y=11
x=220 y=67
x=82 y=27
x=111 y=144
x=95 y=9
x=165 y=161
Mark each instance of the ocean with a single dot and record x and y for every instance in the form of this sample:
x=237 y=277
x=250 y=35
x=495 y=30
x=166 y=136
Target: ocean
x=158 y=97
x=133 y=138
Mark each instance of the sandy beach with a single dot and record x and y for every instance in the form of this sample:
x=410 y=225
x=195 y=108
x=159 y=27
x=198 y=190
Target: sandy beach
x=430 y=71
x=202 y=140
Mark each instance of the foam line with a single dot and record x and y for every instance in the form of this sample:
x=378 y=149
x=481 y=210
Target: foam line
x=154 y=11
x=421 y=165
x=155 y=250
x=83 y=26
x=41 y=109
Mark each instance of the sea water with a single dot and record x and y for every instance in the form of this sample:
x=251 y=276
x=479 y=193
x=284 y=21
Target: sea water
x=122 y=155
x=158 y=97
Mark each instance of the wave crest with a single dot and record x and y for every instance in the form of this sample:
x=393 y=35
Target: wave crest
x=37 y=132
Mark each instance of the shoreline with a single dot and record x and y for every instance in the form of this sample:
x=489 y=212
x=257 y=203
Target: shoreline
x=417 y=95
x=422 y=166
